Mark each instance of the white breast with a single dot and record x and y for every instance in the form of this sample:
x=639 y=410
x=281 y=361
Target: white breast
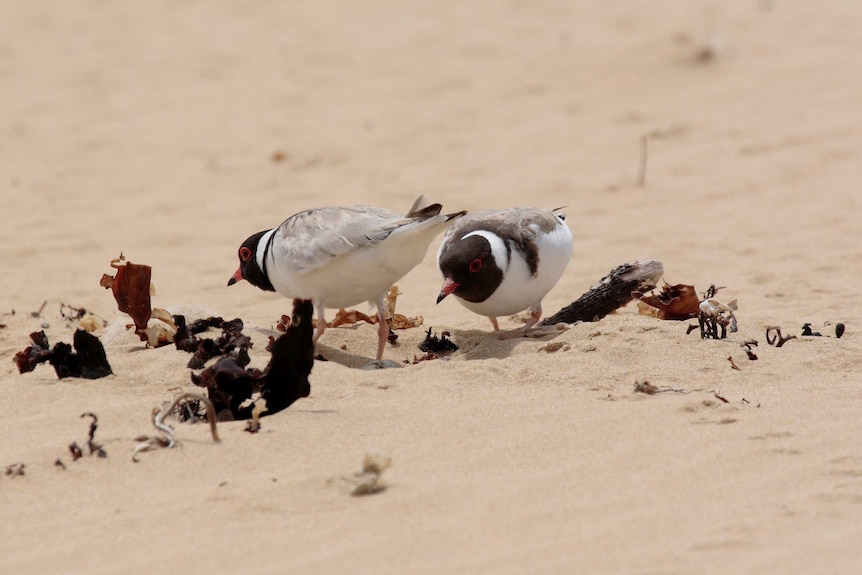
x=519 y=289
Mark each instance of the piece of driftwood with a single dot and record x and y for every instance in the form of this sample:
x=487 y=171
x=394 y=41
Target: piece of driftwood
x=612 y=292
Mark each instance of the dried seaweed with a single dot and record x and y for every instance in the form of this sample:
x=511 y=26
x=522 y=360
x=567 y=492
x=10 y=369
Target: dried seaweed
x=673 y=302
x=87 y=361
x=434 y=344
x=33 y=355
x=132 y=289
x=234 y=390
x=231 y=343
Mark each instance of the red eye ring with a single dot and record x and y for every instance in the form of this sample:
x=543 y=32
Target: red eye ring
x=475 y=265
x=244 y=253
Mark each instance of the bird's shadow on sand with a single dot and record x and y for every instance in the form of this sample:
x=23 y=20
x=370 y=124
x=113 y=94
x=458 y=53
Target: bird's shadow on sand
x=340 y=356
x=480 y=344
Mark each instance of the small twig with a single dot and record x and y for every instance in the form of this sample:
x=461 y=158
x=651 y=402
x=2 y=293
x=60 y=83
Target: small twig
x=733 y=365
x=777 y=340
x=715 y=393
x=784 y=340
x=643 y=160
x=38 y=312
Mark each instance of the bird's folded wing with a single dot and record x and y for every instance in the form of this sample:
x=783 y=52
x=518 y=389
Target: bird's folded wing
x=311 y=239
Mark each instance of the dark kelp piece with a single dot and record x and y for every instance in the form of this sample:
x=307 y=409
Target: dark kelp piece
x=231 y=343
x=88 y=360
x=33 y=355
x=434 y=344
x=233 y=389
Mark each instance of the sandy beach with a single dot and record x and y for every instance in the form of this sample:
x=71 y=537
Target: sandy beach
x=722 y=139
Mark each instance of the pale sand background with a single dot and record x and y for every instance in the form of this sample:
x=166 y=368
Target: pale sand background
x=149 y=127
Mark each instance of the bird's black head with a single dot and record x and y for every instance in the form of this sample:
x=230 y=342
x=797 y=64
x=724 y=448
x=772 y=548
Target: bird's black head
x=470 y=270
x=248 y=266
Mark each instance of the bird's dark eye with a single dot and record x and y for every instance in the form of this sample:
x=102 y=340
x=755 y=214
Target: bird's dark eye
x=244 y=253
x=475 y=265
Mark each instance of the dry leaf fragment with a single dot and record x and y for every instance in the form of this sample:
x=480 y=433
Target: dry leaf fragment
x=673 y=302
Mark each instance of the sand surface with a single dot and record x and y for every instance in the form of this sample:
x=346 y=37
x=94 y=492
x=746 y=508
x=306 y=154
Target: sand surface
x=171 y=131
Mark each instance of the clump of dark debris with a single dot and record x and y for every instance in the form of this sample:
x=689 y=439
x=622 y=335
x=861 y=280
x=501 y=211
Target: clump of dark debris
x=87 y=361
x=239 y=393
x=434 y=344
x=231 y=343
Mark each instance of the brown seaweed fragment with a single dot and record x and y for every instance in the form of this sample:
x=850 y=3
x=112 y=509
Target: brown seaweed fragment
x=673 y=302
x=234 y=390
x=38 y=352
x=132 y=290
x=88 y=360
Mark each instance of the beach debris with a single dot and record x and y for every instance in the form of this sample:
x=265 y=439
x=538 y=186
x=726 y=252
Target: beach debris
x=720 y=398
x=714 y=314
x=419 y=359
x=645 y=387
x=777 y=340
x=71 y=313
x=190 y=409
x=367 y=481
x=649 y=389
x=839 y=330
x=622 y=284
x=234 y=390
x=76 y=451
x=59 y=463
x=747 y=345
x=732 y=364
x=283 y=323
x=253 y=425
x=379 y=364
x=38 y=312
x=15 y=470
x=436 y=345
x=807 y=331
x=87 y=361
x=132 y=291
x=673 y=302
x=232 y=342
x=92 y=446
x=165 y=438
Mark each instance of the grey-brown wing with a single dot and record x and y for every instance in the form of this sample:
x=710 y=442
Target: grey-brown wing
x=311 y=239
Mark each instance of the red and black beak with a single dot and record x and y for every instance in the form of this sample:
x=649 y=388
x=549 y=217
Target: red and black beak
x=448 y=287
x=237 y=276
